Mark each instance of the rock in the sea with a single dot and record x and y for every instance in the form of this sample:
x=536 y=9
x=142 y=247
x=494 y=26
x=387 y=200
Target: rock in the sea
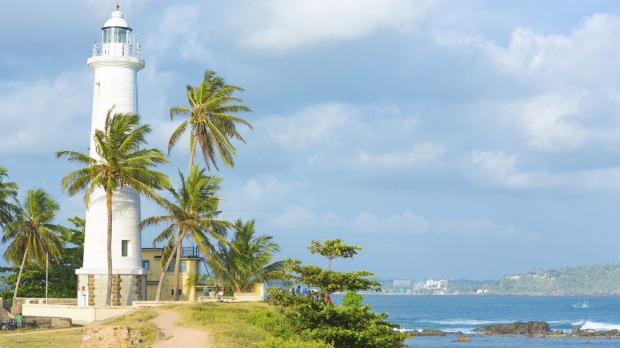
x=462 y=339
x=427 y=332
x=518 y=328
x=593 y=333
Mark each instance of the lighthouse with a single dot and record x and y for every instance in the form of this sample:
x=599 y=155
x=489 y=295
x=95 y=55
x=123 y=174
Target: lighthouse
x=116 y=61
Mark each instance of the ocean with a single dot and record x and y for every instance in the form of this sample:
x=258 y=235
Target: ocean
x=467 y=312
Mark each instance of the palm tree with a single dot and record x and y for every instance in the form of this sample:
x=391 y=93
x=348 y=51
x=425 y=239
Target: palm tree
x=192 y=214
x=8 y=195
x=250 y=263
x=32 y=234
x=210 y=118
x=120 y=163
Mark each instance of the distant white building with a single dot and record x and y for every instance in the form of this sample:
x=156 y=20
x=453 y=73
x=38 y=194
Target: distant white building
x=436 y=285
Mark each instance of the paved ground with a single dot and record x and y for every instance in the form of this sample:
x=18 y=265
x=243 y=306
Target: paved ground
x=176 y=336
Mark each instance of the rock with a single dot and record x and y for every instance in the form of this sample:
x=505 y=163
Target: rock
x=426 y=332
x=518 y=328
x=100 y=336
x=462 y=339
x=432 y=332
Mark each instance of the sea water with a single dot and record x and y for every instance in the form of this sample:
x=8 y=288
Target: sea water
x=465 y=313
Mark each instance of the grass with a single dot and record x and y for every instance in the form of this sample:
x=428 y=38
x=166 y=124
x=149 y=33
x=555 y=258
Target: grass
x=137 y=320
x=225 y=322
x=58 y=339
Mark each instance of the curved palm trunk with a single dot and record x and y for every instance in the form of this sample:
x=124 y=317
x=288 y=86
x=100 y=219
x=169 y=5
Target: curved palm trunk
x=108 y=295
x=163 y=272
x=19 y=276
x=162 y=277
x=177 y=267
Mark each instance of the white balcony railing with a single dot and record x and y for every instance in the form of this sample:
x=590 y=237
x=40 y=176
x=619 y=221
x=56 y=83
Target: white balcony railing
x=116 y=50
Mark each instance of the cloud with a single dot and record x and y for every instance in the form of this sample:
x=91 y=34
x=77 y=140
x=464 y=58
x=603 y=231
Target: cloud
x=61 y=104
x=311 y=126
x=397 y=159
x=503 y=170
x=558 y=91
x=180 y=33
x=587 y=57
x=551 y=122
x=285 y=25
x=345 y=136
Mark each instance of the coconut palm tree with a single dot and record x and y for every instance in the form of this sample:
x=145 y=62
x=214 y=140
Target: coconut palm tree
x=8 y=195
x=250 y=261
x=120 y=163
x=32 y=235
x=211 y=119
x=193 y=213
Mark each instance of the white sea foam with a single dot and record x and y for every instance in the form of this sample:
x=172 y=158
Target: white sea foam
x=592 y=325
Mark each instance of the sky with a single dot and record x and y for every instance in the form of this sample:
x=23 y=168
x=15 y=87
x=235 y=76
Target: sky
x=450 y=139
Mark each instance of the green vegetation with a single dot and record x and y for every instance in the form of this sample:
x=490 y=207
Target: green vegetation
x=8 y=196
x=241 y=325
x=582 y=280
x=62 y=280
x=32 y=235
x=247 y=260
x=332 y=249
x=315 y=317
x=192 y=214
x=211 y=120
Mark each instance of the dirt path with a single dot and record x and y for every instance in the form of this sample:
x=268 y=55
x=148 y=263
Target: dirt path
x=176 y=336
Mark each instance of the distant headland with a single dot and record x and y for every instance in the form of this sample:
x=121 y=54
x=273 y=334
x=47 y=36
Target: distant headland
x=581 y=280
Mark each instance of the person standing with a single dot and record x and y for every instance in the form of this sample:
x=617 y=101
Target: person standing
x=19 y=319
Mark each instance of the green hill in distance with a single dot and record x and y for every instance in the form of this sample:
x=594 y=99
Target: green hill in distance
x=581 y=280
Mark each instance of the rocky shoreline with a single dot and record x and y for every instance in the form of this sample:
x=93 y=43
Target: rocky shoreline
x=530 y=329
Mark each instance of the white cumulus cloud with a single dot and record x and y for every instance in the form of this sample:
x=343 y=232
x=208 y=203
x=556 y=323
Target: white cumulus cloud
x=284 y=25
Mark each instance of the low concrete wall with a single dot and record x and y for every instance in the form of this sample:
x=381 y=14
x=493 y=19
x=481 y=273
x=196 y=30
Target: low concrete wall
x=17 y=304
x=78 y=315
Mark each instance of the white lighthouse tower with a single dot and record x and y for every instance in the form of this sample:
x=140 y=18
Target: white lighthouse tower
x=116 y=62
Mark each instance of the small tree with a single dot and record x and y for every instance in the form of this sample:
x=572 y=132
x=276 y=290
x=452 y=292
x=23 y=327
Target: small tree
x=333 y=249
x=349 y=325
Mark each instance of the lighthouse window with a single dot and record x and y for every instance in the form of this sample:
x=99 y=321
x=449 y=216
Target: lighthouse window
x=115 y=35
x=124 y=248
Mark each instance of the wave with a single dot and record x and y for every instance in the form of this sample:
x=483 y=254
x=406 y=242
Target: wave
x=592 y=325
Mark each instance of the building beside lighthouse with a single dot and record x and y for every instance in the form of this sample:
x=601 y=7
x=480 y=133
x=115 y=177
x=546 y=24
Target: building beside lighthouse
x=116 y=61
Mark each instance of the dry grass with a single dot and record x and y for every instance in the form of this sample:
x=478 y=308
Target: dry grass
x=137 y=320
x=224 y=322
x=56 y=339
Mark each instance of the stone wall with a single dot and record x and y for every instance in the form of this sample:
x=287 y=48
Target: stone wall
x=47 y=322
x=126 y=288
x=98 y=336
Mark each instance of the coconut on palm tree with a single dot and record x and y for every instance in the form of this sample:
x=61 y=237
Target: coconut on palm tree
x=211 y=119
x=248 y=261
x=32 y=235
x=192 y=213
x=120 y=163
x=8 y=195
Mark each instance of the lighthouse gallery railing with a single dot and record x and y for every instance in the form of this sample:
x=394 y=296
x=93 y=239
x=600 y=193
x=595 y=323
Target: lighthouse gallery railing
x=116 y=50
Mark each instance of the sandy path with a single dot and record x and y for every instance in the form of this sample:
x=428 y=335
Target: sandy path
x=176 y=336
